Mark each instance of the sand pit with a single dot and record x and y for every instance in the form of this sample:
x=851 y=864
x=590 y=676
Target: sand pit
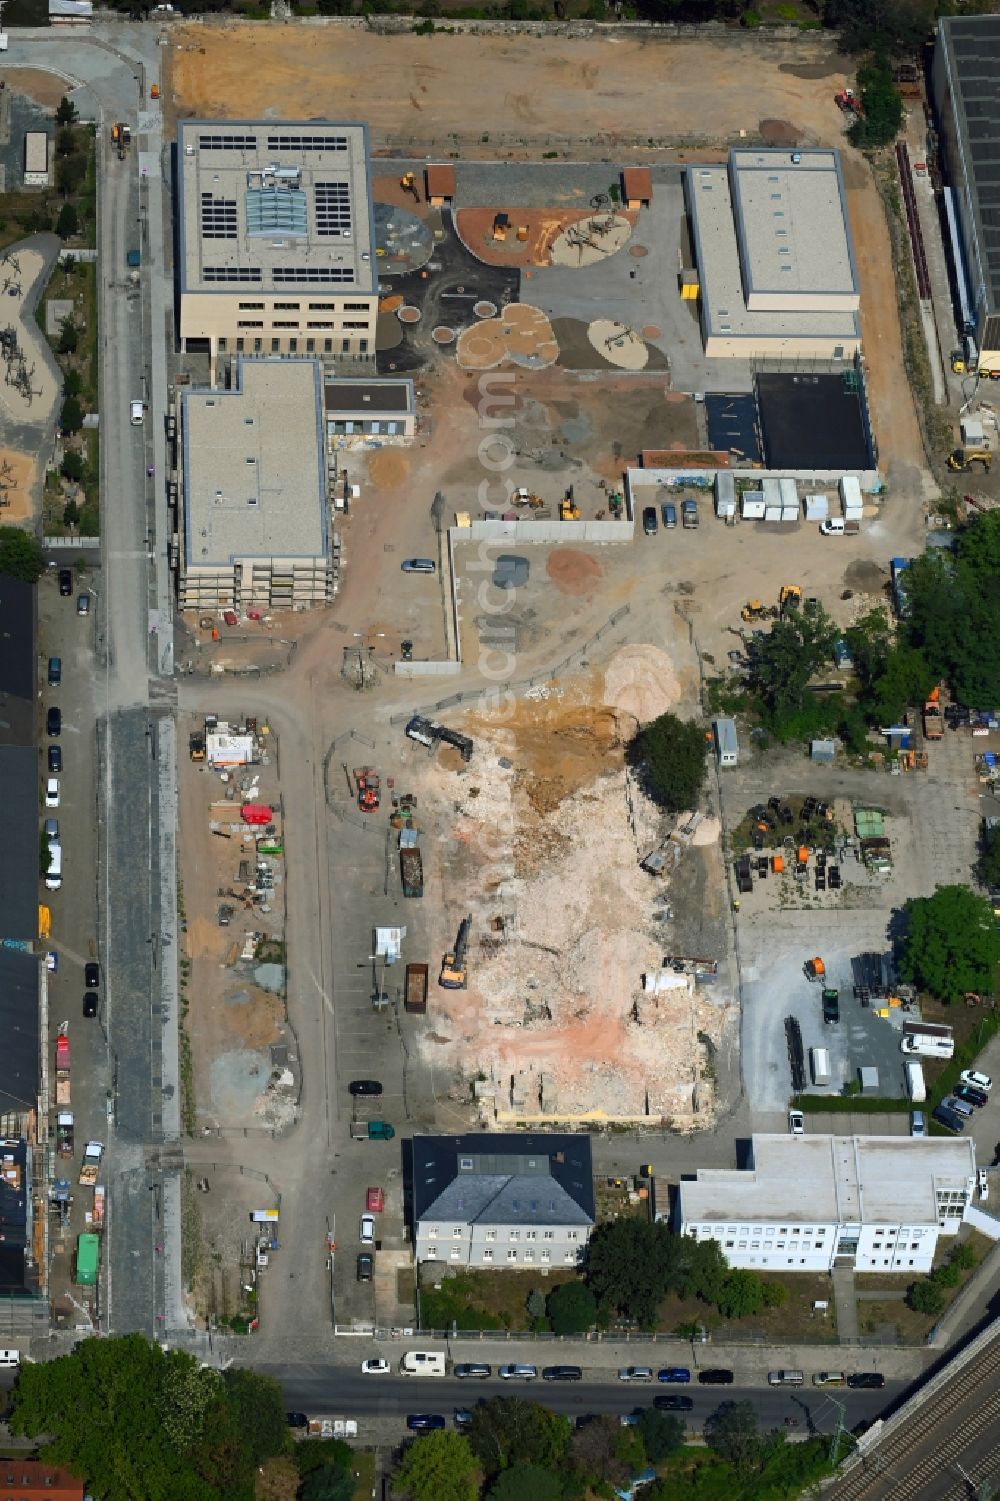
x=588 y=241
x=573 y=572
x=640 y=681
x=521 y=334
x=619 y=344
x=17 y=478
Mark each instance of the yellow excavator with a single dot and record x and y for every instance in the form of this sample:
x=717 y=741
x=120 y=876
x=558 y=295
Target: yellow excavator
x=454 y=967
x=408 y=183
x=789 y=599
x=964 y=459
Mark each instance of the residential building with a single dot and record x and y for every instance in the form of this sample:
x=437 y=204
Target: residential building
x=254 y=513
x=492 y=1199
x=813 y=1203
x=966 y=80
x=37 y=1480
x=776 y=269
x=276 y=240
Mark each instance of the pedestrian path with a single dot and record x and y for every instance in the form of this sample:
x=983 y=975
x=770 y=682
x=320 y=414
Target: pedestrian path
x=846 y=1305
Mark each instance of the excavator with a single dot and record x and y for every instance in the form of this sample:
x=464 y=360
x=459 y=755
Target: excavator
x=962 y=460
x=454 y=967
x=408 y=183
x=568 y=508
x=789 y=599
x=755 y=609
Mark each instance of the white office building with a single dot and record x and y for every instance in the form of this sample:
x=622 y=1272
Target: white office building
x=813 y=1203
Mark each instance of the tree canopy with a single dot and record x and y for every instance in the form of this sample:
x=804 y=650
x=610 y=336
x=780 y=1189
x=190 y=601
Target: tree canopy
x=951 y=945
x=143 y=1424
x=954 y=615
x=632 y=1264
x=438 y=1466
x=989 y=860
x=509 y=1431
x=782 y=663
x=20 y=555
x=669 y=754
x=572 y=1308
x=881 y=106
x=527 y=1483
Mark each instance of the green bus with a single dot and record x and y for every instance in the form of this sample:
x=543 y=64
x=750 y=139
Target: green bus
x=88 y=1259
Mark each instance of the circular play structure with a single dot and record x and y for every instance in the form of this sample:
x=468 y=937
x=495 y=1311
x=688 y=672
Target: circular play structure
x=403 y=242
x=521 y=335
x=619 y=344
x=443 y=335
x=587 y=241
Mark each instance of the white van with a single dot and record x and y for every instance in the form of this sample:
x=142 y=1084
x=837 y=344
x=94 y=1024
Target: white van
x=819 y=1065
x=422 y=1363
x=135 y=413
x=915 y=1086
x=10 y=1358
x=53 y=876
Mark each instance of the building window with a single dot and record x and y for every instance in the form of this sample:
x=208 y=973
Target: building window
x=549 y=1234
x=456 y=1252
x=530 y=1256
x=345 y=346
x=313 y=323
x=348 y=323
x=327 y=346
x=730 y=1244
x=546 y=1255
x=250 y=323
x=512 y=1255
x=434 y=1232
x=310 y=346
x=457 y=1232
x=275 y=345
x=293 y=345
x=363 y=346
x=515 y=1235
x=239 y=345
x=571 y=1235
x=356 y=307
x=487 y=1254
x=258 y=345
x=251 y=307
x=222 y=346
x=531 y=1234
x=286 y=307
x=279 y=324
x=491 y=1235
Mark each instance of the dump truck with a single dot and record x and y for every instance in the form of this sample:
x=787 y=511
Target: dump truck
x=415 y=990
x=372 y=1131
x=411 y=870
x=64 y=1133
x=454 y=969
x=91 y=1166
x=62 y=1070
x=933 y=718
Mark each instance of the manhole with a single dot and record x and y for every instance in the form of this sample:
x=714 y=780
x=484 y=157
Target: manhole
x=485 y=309
x=442 y=335
x=408 y=314
x=638 y=251
x=651 y=331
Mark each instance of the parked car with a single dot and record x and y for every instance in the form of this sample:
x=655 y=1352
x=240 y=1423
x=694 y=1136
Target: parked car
x=53 y=723
x=958 y=1107
x=423 y=1422
x=463 y=1417
x=296 y=1420
x=418 y=565
x=375 y=1367
x=829 y=1378
x=630 y=1419
x=672 y=1403
x=55 y=672
x=52 y=792
x=716 y=1376
x=518 y=1372
x=971 y=1095
x=364 y=1086
x=55 y=758
x=366 y=1266
x=92 y=975
x=948 y=1119
x=649 y=521
x=796 y=1123
x=669 y=513
x=636 y=1373
x=918 y=1126
x=475 y=1368
x=674 y=1373
x=562 y=1373
x=83 y=604
x=866 y=1381
x=90 y=1003
x=65 y=582
x=366 y=1230
x=52 y=962
x=976 y=1079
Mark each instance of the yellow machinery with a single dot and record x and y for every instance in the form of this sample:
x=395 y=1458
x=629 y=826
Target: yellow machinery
x=754 y=609
x=568 y=509
x=408 y=183
x=964 y=459
x=454 y=969
x=789 y=599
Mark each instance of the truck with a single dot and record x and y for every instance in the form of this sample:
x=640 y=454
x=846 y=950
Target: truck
x=689 y=514
x=64 y=1133
x=927 y=1040
x=372 y=1131
x=933 y=718
x=91 y=1166
x=819 y=1065
x=415 y=990
x=133 y=259
x=915 y=1085
x=88 y=1259
x=454 y=970
x=62 y=1070
x=411 y=870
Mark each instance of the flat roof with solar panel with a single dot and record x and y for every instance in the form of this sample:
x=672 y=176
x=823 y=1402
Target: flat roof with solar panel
x=967 y=96
x=275 y=206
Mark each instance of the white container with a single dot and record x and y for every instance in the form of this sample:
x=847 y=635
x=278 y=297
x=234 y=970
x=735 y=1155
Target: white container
x=772 y=513
x=973 y=435
x=752 y=505
x=850 y=495
x=817 y=507
x=772 y=491
x=790 y=512
x=725 y=493
x=789 y=493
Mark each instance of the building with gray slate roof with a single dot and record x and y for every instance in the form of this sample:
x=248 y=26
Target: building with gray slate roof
x=489 y=1199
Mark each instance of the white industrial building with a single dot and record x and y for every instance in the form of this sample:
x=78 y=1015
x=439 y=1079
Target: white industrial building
x=277 y=239
x=813 y=1203
x=254 y=512
x=775 y=264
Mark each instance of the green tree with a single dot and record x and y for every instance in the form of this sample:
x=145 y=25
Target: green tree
x=775 y=1294
x=881 y=105
x=781 y=666
x=898 y=28
x=946 y=1275
x=438 y=1466
x=509 y=1431
x=669 y=754
x=259 y=1406
x=328 y=1483
x=663 y=1433
x=742 y=1295
x=594 y=1451
x=323 y=1452
x=72 y=466
x=925 y=1296
x=698 y=1268
x=68 y=222
x=572 y=1308
x=71 y=415
x=732 y=1433
x=69 y=338
x=70 y=174
x=72 y=383
x=951 y=945
x=629 y=1266
x=21 y=555
x=71 y=513
x=963 y=1256
x=65 y=141
x=66 y=113
x=527 y=1483
x=989 y=859
x=954 y=613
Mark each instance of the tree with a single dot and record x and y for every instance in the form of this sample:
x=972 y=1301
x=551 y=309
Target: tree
x=70 y=173
x=572 y=1308
x=946 y=1275
x=323 y=1452
x=72 y=466
x=663 y=1433
x=732 y=1433
x=775 y=1294
x=65 y=141
x=72 y=383
x=438 y=1466
x=629 y=1263
x=881 y=106
x=594 y=1449
x=954 y=612
x=670 y=756
x=69 y=336
x=963 y=1256
x=509 y=1431
x=925 y=1296
x=742 y=1295
x=898 y=28
x=20 y=555
x=66 y=112
x=68 y=222
x=71 y=415
x=951 y=945
x=781 y=666
x=527 y=1483
x=259 y=1406
x=989 y=860
x=71 y=513
x=328 y=1483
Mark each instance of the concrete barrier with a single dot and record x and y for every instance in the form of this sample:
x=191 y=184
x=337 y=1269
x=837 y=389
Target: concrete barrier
x=426 y=669
x=546 y=533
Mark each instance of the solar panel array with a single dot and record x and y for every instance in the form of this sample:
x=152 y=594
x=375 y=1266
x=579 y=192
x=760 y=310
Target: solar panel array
x=306 y=143
x=227 y=143
x=218 y=218
x=976 y=49
x=333 y=208
x=312 y=273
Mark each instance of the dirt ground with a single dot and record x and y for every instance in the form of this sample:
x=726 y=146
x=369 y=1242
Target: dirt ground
x=45 y=89
x=17 y=479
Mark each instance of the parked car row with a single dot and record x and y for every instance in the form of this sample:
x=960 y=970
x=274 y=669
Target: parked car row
x=668 y=514
x=970 y=1094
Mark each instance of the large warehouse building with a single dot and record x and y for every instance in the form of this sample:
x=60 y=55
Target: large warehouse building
x=276 y=239
x=775 y=264
x=967 y=102
x=254 y=509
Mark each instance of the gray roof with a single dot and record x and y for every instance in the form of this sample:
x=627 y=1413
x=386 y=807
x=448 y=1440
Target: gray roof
x=19 y=866
x=18 y=666
x=503 y=1179
x=254 y=469
x=19 y=1027
x=275 y=206
x=361 y=398
x=971 y=54
x=791 y=222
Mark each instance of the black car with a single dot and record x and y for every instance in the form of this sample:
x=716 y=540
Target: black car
x=463 y=1417
x=364 y=1086
x=53 y=723
x=831 y=1007
x=948 y=1119
x=716 y=1376
x=562 y=1373
x=867 y=1380
x=420 y=1422
x=90 y=1003
x=296 y=1420
x=55 y=759
x=92 y=975
x=366 y=1266
x=649 y=521
x=672 y=1403
x=65 y=582
x=971 y=1095
x=477 y=1368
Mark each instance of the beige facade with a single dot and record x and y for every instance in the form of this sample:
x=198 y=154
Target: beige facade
x=277 y=240
x=254 y=509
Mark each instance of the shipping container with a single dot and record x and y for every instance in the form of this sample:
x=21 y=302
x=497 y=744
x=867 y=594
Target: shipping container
x=752 y=505
x=88 y=1260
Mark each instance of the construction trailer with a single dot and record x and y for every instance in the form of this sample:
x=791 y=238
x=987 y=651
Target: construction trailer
x=726 y=744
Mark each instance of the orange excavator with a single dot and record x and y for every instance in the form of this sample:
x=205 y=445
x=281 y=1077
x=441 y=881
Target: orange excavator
x=369 y=789
x=815 y=969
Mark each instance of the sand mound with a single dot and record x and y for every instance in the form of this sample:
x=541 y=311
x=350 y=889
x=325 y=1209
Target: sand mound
x=573 y=572
x=707 y=832
x=640 y=680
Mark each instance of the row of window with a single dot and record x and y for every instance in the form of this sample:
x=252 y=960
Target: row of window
x=346 y=347
x=804 y=1232
x=570 y=1257
x=314 y=307
x=459 y=1231
x=312 y=323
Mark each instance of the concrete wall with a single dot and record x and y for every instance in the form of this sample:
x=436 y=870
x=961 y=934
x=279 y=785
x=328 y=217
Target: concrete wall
x=546 y=532
x=426 y=669
x=723 y=347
